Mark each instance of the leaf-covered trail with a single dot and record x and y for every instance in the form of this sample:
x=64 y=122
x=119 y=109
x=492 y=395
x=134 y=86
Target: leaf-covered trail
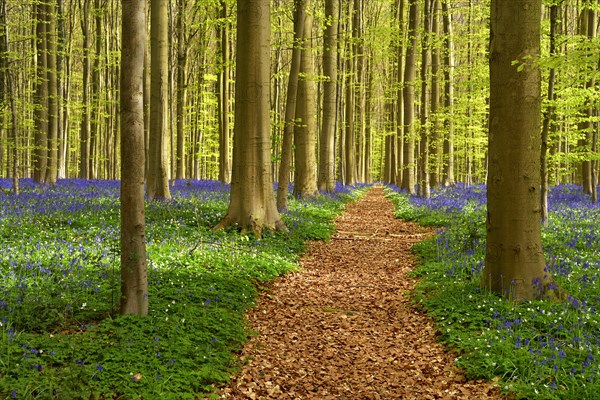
x=343 y=327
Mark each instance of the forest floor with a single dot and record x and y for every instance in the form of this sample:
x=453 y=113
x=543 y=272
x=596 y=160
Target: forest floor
x=344 y=326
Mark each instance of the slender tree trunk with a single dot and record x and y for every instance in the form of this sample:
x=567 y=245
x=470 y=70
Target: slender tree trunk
x=368 y=134
x=587 y=27
x=95 y=101
x=158 y=175
x=134 y=279
x=408 y=177
x=326 y=180
x=84 y=134
x=435 y=150
x=424 y=184
x=448 y=95
x=60 y=75
x=548 y=117
x=182 y=57
x=8 y=93
x=305 y=173
x=290 y=107
x=252 y=202
x=400 y=98
x=51 y=76
x=40 y=159
x=514 y=263
x=224 y=141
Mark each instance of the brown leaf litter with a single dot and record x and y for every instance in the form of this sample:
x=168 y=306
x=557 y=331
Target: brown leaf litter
x=344 y=328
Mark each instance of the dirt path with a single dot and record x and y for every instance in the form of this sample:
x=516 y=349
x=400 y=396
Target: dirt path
x=343 y=328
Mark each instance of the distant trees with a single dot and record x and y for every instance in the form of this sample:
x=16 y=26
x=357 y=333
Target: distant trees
x=379 y=110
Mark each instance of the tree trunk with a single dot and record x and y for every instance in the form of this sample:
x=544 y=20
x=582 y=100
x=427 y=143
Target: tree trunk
x=448 y=95
x=290 y=107
x=424 y=188
x=587 y=27
x=40 y=159
x=514 y=263
x=224 y=141
x=182 y=57
x=96 y=103
x=435 y=150
x=134 y=279
x=51 y=76
x=305 y=173
x=85 y=118
x=158 y=175
x=408 y=176
x=399 y=162
x=548 y=118
x=252 y=203
x=326 y=180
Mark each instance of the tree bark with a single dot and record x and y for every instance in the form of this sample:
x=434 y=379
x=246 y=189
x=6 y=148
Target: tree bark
x=223 y=81
x=51 y=76
x=514 y=263
x=326 y=181
x=84 y=134
x=134 y=279
x=305 y=173
x=158 y=174
x=408 y=175
x=424 y=188
x=548 y=117
x=448 y=95
x=396 y=174
x=40 y=159
x=252 y=203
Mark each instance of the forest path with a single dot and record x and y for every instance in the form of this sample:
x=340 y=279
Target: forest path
x=343 y=327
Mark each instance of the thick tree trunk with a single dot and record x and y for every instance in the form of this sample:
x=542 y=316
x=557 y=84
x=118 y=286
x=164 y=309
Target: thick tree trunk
x=158 y=172
x=514 y=263
x=326 y=181
x=134 y=279
x=408 y=175
x=252 y=203
x=290 y=107
x=305 y=173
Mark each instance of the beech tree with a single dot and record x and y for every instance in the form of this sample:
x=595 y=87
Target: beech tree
x=326 y=174
x=158 y=175
x=134 y=279
x=514 y=263
x=290 y=106
x=305 y=173
x=408 y=169
x=252 y=201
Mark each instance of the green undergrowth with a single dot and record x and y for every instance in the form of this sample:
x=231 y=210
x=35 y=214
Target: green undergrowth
x=536 y=349
x=60 y=333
